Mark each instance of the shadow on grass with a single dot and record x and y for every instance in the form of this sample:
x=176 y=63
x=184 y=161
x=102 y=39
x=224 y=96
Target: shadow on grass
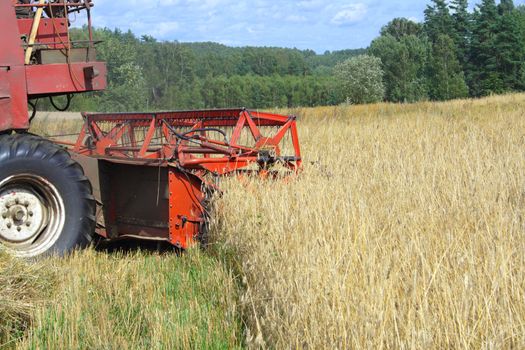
x=130 y=245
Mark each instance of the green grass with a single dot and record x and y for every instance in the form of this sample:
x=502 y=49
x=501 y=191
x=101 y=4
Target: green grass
x=138 y=301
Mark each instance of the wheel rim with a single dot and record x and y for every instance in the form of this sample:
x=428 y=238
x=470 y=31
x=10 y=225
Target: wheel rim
x=32 y=214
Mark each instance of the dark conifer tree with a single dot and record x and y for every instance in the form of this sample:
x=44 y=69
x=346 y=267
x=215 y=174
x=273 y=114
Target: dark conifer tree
x=483 y=74
x=510 y=46
x=438 y=20
x=446 y=77
x=462 y=30
x=400 y=27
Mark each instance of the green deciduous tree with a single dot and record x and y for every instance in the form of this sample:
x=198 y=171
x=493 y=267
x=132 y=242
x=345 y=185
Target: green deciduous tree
x=126 y=84
x=361 y=79
x=404 y=62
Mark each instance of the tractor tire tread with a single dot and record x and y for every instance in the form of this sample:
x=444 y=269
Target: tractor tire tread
x=30 y=148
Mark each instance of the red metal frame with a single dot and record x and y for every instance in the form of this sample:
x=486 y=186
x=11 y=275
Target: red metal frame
x=183 y=137
x=186 y=208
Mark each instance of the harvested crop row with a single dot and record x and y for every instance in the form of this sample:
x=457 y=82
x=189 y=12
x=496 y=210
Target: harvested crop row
x=23 y=288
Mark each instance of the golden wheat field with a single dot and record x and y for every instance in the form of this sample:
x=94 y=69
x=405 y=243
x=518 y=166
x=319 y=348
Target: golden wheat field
x=405 y=230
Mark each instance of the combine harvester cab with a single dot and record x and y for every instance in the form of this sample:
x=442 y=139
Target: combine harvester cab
x=151 y=172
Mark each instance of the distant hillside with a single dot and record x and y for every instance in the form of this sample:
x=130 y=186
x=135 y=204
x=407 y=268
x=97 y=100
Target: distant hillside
x=266 y=60
x=145 y=73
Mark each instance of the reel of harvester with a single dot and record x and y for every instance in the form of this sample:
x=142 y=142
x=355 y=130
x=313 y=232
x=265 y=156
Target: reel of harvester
x=149 y=170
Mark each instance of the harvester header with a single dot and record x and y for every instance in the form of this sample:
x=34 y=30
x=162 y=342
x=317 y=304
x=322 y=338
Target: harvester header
x=149 y=170
x=217 y=141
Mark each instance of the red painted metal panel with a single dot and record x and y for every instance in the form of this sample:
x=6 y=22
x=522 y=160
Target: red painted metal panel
x=5 y=101
x=11 y=51
x=186 y=209
x=65 y=78
x=13 y=99
x=52 y=32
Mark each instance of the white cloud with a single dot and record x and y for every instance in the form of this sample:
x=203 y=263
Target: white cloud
x=206 y=4
x=168 y=2
x=350 y=14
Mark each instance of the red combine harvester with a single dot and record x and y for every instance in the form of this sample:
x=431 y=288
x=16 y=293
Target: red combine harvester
x=136 y=175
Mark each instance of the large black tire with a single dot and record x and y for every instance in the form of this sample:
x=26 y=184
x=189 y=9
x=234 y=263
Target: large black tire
x=46 y=201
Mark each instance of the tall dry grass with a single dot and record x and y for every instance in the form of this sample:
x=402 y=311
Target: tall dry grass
x=405 y=230
x=64 y=125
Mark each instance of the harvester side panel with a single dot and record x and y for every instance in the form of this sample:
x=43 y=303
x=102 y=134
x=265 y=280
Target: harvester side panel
x=68 y=78
x=145 y=201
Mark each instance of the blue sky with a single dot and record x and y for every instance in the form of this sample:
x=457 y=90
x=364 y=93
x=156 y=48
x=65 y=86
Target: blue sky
x=305 y=24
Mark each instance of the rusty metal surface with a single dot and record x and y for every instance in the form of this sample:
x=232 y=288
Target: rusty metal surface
x=149 y=202
x=92 y=172
x=134 y=199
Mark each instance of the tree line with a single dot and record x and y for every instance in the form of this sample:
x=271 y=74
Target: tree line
x=146 y=74
x=454 y=53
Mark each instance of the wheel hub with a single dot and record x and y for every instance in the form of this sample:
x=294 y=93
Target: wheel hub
x=23 y=215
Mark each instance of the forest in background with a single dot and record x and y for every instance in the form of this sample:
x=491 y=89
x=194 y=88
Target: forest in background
x=454 y=53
